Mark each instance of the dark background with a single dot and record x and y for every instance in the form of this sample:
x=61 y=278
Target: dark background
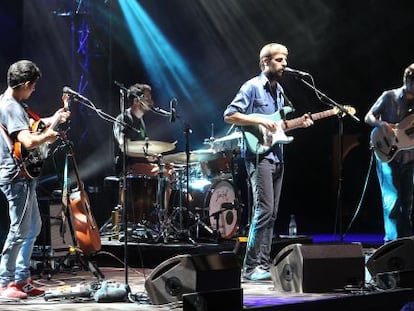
x=354 y=50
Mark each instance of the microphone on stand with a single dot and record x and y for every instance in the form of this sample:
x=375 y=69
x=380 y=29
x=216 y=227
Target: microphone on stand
x=172 y=114
x=173 y=111
x=160 y=111
x=68 y=90
x=295 y=72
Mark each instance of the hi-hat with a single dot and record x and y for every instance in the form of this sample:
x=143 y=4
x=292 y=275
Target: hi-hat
x=140 y=148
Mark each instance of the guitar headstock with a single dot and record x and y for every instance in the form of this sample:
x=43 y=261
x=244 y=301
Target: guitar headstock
x=349 y=109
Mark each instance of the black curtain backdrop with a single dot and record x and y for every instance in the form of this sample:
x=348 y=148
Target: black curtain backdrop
x=354 y=50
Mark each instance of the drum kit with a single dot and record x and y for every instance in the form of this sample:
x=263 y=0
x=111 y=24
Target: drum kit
x=190 y=196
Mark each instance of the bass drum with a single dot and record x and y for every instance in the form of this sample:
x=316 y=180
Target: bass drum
x=213 y=202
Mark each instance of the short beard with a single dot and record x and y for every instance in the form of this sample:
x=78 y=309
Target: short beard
x=274 y=76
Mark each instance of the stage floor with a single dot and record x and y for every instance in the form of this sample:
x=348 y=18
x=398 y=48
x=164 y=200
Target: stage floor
x=73 y=286
x=256 y=296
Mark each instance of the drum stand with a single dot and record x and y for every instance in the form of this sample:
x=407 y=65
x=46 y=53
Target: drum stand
x=168 y=229
x=160 y=204
x=200 y=223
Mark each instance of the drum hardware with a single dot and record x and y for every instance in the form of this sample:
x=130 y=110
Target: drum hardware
x=164 y=223
x=170 y=229
x=200 y=223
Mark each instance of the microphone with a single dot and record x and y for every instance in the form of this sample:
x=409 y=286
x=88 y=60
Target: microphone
x=161 y=111
x=69 y=91
x=295 y=72
x=173 y=111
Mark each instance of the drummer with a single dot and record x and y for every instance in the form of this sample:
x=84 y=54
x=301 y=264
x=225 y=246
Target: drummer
x=139 y=100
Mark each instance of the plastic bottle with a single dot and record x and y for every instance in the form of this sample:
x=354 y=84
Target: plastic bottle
x=292 y=226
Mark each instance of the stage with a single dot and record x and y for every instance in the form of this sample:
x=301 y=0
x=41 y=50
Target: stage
x=70 y=279
x=256 y=296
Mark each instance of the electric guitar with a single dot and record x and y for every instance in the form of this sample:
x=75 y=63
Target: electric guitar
x=259 y=140
x=31 y=160
x=386 y=146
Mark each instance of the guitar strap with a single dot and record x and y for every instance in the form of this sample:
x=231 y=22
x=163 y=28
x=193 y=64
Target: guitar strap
x=287 y=101
x=7 y=138
x=31 y=112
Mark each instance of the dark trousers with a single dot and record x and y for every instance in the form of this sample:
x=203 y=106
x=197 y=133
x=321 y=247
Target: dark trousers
x=266 y=179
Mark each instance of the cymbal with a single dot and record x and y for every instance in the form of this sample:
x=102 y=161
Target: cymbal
x=140 y=148
x=195 y=156
x=232 y=136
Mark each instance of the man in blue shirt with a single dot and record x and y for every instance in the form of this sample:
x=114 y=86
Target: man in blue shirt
x=395 y=176
x=260 y=96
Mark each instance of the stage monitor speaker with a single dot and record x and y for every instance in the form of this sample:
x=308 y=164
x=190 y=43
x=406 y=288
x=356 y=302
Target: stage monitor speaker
x=396 y=255
x=318 y=268
x=185 y=274
x=395 y=279
x=228 y=300
x=4 y=220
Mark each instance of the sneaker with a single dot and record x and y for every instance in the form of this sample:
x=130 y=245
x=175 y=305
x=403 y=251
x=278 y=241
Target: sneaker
x=29 y=288
x=12 y=291
x=258 y=274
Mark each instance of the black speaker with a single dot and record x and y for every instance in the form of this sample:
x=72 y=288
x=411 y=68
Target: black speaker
x=396 y=255
x=55 y=230
x=318 y=268
x=228 y=300
x=4 y=220
x=185 y=274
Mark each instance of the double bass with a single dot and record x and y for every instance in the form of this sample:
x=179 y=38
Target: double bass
x=84 y=224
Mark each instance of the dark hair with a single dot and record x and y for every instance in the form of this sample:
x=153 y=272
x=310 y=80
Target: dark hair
x=136 y=90
x=21 y=72
x=408 y=73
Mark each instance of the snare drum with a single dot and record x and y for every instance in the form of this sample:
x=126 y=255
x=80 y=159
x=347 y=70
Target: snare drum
x=211 y=200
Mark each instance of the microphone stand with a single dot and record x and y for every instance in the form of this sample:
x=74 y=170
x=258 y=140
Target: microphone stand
x=187 y=131
x=89 y=104
x=327 y=100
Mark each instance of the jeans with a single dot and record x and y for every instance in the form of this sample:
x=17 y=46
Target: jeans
x=266 y=180
x=396 y=182
x=25 y=226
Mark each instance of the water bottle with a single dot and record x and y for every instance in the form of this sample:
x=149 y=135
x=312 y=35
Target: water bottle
x=292 y=226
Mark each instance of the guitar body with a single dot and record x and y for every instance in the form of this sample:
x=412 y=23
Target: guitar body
x=31 y=160
x=259 y=140
x=87 y=231
x=386 y=146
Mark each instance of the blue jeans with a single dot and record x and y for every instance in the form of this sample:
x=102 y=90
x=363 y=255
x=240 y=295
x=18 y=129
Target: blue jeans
x=266 y=180
x=25 y=226
x=396 y=182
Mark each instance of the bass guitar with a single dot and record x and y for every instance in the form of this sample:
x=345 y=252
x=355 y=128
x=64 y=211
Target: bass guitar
x=387 y=146
x=31 y=160
x=259 y=140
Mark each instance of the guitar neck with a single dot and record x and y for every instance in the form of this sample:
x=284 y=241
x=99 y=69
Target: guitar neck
x=297 y=122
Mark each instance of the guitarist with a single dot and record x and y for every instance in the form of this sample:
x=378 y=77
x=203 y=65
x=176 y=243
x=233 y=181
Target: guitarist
x=396 y=177
x=262 y=94
x=20 y=191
